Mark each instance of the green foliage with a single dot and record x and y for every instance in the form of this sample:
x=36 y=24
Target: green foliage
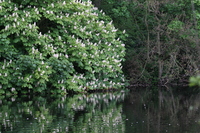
x=197 y=2
x=194 y=80
x=58 y=46
x=176 y=25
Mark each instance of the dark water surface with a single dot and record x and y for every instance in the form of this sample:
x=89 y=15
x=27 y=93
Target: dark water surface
x=136 y=111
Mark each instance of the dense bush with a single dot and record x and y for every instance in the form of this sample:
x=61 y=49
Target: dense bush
x=57 y=46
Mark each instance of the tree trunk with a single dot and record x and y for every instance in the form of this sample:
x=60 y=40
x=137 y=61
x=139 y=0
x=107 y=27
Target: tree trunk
x=148 y=32
x=159 y=54
x=196 y=28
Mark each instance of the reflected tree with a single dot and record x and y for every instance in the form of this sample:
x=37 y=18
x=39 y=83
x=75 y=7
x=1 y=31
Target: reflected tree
x=77 y=113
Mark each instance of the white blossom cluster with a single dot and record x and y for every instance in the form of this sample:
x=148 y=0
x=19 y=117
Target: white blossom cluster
x=4 y=66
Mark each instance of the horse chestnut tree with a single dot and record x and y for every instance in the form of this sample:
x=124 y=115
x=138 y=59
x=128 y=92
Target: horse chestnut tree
x=56 y=46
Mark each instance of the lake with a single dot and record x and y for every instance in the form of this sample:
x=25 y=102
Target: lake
x=138 y=110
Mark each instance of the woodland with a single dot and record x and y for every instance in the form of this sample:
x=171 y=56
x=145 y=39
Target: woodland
x=57 y=46
x=163 y=39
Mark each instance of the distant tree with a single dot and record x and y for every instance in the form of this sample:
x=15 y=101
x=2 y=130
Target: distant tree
x=163 y=42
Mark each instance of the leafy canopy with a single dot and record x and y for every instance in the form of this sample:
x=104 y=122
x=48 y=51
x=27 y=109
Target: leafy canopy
x=58 y=45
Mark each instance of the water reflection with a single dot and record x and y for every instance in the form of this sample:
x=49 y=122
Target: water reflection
x=138 y=111
x=91 y=113
x=163 y=110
